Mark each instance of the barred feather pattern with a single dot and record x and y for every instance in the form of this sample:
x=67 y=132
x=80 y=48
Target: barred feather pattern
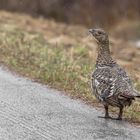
x=110 y=82
x=111 y=85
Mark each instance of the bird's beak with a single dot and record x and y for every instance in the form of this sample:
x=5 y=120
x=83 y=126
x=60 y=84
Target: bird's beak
x=91 y=31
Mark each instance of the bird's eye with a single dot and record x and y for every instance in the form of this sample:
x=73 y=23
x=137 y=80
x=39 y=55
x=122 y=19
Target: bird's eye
x=99 y=33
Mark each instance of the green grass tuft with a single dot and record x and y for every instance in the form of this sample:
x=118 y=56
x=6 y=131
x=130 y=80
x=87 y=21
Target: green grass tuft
x=58 y=66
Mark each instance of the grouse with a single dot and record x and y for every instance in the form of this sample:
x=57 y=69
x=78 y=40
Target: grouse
x=110 y=83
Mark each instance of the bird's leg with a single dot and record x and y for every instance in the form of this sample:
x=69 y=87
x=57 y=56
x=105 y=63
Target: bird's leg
x=120 y=114
x=106 y=111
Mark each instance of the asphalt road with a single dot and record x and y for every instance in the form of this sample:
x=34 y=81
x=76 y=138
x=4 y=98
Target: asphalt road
x=31 y=111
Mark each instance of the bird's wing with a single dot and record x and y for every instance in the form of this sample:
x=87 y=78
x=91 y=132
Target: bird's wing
x=121 y=72
x=103 y=82
x=114 y=81
x=125 y=89
x=124 y=86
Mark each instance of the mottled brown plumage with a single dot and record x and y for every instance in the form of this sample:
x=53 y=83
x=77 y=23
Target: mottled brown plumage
x=110 y=83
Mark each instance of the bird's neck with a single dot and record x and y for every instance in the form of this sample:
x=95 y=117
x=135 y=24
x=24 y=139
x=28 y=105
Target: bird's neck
x=104 y=57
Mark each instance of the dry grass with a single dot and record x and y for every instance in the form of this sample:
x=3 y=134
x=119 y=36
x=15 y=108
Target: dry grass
x=65 y=65
x=60 y=66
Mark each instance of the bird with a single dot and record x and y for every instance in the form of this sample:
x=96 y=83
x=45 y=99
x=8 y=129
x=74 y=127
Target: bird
x=110 y=83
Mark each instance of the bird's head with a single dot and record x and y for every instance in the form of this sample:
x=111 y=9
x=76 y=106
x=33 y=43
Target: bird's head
x=100 y=35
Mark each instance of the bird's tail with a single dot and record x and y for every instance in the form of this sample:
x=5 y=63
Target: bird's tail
x=136 y=94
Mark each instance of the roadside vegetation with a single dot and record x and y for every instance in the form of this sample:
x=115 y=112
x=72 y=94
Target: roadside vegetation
x=28 y=46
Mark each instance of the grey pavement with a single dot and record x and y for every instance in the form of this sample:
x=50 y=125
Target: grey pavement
x=31 y=111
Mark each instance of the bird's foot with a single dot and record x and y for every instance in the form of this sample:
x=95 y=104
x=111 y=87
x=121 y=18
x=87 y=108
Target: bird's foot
x=119 y=118
x=108 y=117
x=105 y=117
